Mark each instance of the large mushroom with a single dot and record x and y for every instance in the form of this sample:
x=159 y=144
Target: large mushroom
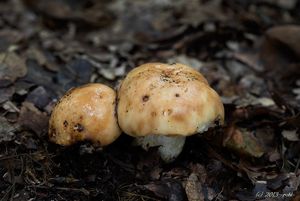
x=85 y=113
x=160 y=104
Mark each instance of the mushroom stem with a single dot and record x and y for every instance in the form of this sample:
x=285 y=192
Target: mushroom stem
x=169 y=146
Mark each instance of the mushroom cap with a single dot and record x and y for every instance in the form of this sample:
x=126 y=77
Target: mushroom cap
x=85 y=113
x=167 y=99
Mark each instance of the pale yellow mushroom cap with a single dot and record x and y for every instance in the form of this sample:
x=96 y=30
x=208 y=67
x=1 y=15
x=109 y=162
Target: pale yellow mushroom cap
x=85 y=113
x=167 y=99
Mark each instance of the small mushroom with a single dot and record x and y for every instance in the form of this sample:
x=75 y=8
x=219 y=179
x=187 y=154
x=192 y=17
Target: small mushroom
x=85 y=113
x=160 y=104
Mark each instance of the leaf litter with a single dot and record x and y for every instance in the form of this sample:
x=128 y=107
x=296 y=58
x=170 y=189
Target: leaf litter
x=246 y=49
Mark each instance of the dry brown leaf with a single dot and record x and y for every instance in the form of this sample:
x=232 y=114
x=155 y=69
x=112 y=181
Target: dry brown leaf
x=11 y=67
x=193 y=188
x=96 y=15
x=196 y=12
x=40 y=57
x=33 y=119
x=288 y=35
x=242 y=142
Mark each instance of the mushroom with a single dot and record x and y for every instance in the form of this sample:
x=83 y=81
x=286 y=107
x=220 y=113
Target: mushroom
x=160 y=104
x=85 y=113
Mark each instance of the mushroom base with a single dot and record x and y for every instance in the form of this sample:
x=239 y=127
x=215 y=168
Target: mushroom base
x=169 y=146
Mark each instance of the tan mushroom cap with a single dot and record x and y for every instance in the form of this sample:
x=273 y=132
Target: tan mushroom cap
x=85 y=113
x=167 y=99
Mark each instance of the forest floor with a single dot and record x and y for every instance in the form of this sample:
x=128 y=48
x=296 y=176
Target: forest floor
x=249 y=51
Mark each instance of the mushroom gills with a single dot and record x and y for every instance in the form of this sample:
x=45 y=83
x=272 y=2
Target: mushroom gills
x=169 y=146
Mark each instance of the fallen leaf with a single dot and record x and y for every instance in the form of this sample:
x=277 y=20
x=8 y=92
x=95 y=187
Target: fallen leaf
x=10 y=107
x=6 y=130
x=9 y=37
x=257 y=172
x=169 y=189
x=156 y=172
x=108 y=73
x=11 y=67
x=40 y=57
x=196 y=187
x=81 y=69
x=37 y=75
x=290 y=135
x=242 y=142
x=196 y=12
x=288 y=35
x=280 y=55
x=265 y=101
x=95 y=15
x=268 y=139
x=249 y=100
x=6 y=93
x=277 y=182
x=39 y=97
x=33 y=119
x=293 y=181
x=190 y=61
x=193 y=188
